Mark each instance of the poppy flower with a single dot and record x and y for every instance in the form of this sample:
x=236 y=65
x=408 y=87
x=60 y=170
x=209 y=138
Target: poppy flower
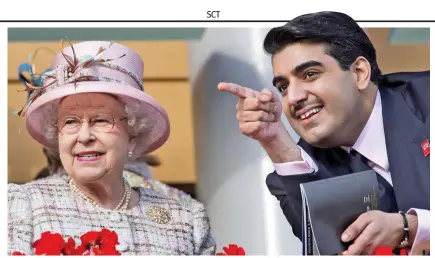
x=49 y=244
x=99 y=243
x=388 y=251
x=92 y=243
x=69 y=247
x=18 y=253
x=232 y=249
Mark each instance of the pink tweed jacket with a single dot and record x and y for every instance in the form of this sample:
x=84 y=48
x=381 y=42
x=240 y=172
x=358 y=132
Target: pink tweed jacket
x=50 y=205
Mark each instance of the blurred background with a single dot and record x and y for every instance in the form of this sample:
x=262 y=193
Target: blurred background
x=205 y=155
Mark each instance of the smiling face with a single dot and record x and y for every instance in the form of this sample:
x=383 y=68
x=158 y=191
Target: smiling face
x=323 y=103
x=91 y=153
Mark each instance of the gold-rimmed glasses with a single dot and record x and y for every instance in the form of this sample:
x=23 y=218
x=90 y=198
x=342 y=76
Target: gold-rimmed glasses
x=100 y=123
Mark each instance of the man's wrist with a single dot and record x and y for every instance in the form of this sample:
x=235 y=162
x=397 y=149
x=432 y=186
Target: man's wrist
x=403 y=229
x=413 y=227
x=282 y=148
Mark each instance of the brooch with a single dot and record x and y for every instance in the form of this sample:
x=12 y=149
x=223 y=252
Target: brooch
x=158 y=215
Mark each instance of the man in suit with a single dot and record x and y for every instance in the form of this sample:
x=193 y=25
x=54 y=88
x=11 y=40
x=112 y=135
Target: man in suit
x=350 y=117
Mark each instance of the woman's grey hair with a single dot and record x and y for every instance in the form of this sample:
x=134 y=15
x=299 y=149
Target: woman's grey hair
x=136 y=125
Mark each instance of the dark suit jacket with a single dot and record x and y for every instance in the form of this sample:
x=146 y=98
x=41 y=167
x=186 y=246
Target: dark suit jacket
x=405 y=109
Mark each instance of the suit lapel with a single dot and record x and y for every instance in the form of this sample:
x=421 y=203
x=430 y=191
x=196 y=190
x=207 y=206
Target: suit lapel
x=408 y=166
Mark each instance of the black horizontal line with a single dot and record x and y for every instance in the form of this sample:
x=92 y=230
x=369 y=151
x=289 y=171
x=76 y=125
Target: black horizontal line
x=195 y=21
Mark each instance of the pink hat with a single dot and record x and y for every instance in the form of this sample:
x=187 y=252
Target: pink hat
x=96 y=66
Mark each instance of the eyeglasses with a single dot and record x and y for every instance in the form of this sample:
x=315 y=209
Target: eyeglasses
x=101 y=123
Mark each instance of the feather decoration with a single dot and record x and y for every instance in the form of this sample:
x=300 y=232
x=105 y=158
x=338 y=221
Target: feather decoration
x=33 y=83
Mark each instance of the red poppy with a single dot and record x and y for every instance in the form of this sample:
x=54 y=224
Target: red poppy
x=384 y=251
x=93 y=243
x=90 y=239
x=106 y=251
x=388 y=251
x=108 y=238
x=18 y=253
x=80 y=250
x=49 y=244
x=69 y=248
x=99 y=243
x=232 y=249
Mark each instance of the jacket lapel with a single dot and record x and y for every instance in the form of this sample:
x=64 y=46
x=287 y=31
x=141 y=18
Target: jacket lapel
x=404 y=133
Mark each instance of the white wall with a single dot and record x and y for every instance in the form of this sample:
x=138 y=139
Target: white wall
x=231 y=167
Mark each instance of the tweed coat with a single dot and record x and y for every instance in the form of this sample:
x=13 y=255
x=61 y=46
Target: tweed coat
x=50 y=205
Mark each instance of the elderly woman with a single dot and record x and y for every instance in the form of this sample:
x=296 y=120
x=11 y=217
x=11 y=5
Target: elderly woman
x=137 y=173
x=92 y=109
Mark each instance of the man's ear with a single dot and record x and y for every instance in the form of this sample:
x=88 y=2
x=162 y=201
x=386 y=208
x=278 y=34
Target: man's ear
x=361 y=69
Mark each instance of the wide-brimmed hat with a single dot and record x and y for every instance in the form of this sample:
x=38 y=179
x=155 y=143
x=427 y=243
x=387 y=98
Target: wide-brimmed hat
x=95 y=67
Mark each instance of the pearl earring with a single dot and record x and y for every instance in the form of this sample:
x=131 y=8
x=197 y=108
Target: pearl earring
x=130 y=154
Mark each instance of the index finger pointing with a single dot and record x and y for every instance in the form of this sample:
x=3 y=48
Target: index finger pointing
x=234 y=89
